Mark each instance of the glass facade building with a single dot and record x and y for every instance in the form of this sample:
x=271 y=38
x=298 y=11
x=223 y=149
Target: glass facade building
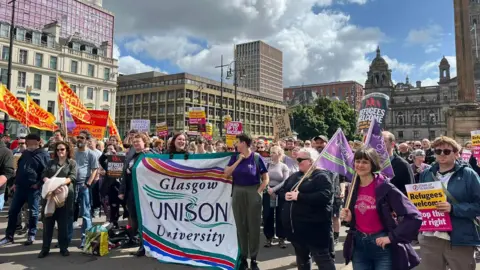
x=87 y=22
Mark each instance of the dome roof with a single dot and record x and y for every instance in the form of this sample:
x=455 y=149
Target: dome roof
x=379 y=62
x=444 y=62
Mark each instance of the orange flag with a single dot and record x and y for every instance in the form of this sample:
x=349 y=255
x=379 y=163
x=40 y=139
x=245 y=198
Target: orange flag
x=113 y=130
x=16 y=109
x=74 y=104
x=42 y=114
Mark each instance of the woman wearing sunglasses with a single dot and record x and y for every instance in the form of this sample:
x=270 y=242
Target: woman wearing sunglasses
x=63 y=166
x=462 y=188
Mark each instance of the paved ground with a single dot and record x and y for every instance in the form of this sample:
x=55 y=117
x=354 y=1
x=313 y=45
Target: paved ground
x=17 y=256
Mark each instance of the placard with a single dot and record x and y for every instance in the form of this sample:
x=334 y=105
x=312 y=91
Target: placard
x=281 y=126
x=374 y=105
x=475 y=134
x=234 y=128
x=115 y=165
x=466 y=154
x=162 y=129
x=425 y=197
x=141 y=125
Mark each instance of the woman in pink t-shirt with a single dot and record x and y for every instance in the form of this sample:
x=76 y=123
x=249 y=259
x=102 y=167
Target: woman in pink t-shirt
x=377 y=234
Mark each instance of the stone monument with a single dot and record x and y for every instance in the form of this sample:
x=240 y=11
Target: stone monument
x=464 y=116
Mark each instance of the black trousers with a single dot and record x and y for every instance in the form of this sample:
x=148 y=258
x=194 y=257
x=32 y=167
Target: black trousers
x=61 y=217
x=272 y=218
x=305 y=253
x=132 y=211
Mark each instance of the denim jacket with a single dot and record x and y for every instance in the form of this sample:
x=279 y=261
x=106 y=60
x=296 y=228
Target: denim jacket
x=401 y=230
x=464 y=186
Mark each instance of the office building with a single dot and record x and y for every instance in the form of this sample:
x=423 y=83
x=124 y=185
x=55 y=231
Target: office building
x=350 y=91
x=260 y=68
x=167 y=98
x=77 y=47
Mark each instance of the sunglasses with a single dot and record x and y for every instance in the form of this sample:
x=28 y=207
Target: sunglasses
x=61 y=149
x=299 y=160
x=418 y=145
x=446 y=152
x=21 y=143
x=80 y=138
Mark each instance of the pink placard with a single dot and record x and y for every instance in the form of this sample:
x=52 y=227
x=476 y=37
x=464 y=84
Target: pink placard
x=434 y=221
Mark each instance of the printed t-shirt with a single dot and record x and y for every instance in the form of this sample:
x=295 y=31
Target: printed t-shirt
x=366 y=215
x=246 y=172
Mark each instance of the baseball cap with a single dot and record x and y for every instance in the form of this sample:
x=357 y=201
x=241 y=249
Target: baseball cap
x=33 y=137
x=321 y=137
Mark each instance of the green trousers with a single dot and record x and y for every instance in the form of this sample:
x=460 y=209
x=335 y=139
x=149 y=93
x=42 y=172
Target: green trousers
x=247 y=210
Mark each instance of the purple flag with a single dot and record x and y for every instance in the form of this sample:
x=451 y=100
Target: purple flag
x=337 y=156
x=69 y=119
x=375 y=140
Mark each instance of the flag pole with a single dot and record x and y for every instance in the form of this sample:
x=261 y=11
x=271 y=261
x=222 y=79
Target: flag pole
x=350 y=191
x=64 y=120
x=29 y=89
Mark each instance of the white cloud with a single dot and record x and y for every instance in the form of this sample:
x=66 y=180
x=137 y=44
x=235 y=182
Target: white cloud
x=430 y=82
x=429 y=37
x=398 y=66
x=316 y=47
x=431 y=67
x=129 y=64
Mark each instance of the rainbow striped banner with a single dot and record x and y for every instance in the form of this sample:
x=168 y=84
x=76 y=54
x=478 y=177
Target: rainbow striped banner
x=185 y=211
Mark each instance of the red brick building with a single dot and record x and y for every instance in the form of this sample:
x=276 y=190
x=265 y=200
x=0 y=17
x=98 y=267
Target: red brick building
x=350 y=91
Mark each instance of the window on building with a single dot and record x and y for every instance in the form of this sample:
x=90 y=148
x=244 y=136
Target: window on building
x=52 y=83
x=400 y=134
x=37 y=101
x=90 y=93
x=53 y=62
x=74 y=67
x=5 y=53
x=91 y=70
x=416 y=134
x=37 y=38
x=171 y=95
x=76 y=46
x=161 y=96
x=130 y=100
x=105 y=95
x=4 y=75
x=50 y=42
x=22 y=78
x=39 y=60
x=4 y=30
x=20 y=34
x=106 y=74
x=431 y=134
x=37 y=81
x=51 y=107
x=23 y=56
x=153 y=97
x=73 y=87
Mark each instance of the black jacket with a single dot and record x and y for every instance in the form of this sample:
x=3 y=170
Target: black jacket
x=403 y=174
x=68 y=171
x=6 y=165
x=126 y=182
x=308 y=220
x=429 y=156
x=30 y=168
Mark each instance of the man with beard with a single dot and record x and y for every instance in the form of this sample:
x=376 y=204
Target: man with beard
x=87 y=166
x=320 y=142
x=404 y=152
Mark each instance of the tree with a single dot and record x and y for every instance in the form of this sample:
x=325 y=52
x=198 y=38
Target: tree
x=324 y=118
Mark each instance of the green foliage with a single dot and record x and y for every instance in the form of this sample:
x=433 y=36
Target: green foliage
x=324 y=118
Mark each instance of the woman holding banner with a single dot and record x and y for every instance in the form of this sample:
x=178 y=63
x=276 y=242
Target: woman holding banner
x=379 y=239
x=140 y=144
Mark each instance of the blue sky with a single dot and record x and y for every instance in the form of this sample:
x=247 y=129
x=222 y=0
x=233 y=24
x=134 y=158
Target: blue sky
x=413 y=36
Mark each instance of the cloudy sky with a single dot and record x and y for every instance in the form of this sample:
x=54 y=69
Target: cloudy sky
x=321 y=40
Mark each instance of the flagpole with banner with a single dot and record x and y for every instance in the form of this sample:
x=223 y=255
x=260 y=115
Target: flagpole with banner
x=29 y=90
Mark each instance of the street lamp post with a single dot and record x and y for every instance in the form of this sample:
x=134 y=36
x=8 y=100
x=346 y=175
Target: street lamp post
x=221 y=92
x=236 y=73
x=10 y=56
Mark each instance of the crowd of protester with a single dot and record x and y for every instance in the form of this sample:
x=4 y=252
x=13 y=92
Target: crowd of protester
x=268 y=191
